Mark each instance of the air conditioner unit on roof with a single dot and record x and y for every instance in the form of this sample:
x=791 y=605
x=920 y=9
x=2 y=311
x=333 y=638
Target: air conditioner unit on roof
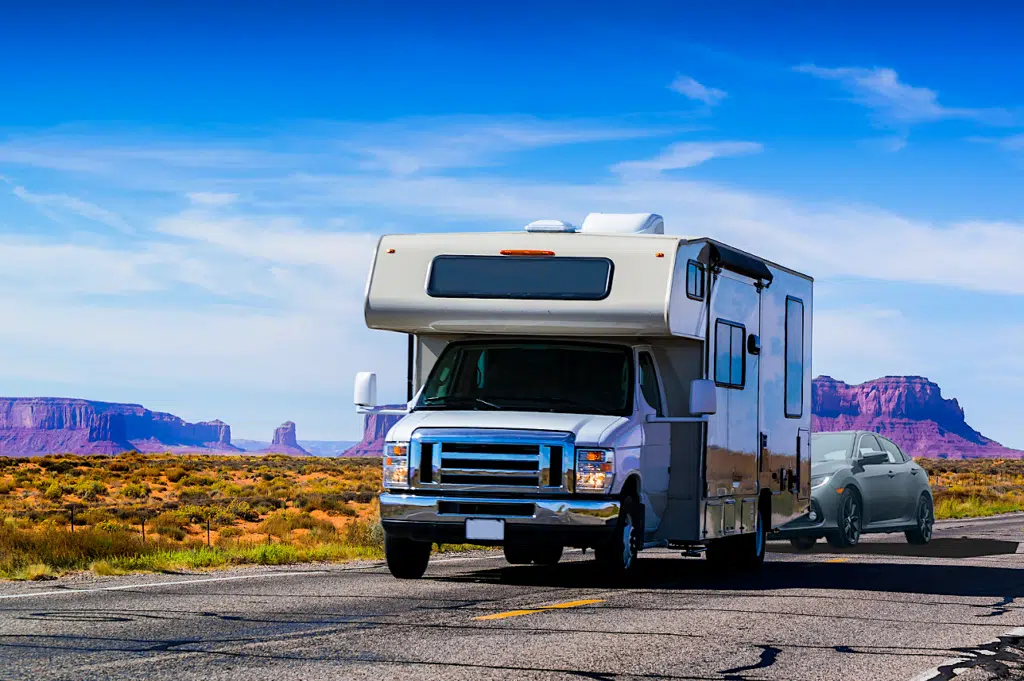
x=623 y=223
x=550 y=226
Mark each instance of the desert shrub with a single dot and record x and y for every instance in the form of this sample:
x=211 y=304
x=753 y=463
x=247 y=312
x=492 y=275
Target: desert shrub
x=55 y=465
x=119 y=466
x=135 y=490
x=112 y=526
x=170 y=524
x=90 y=490
x=230 y=532
x=55 y=492
x=7 y=486
x=193 y=495
x=175 y=474
x=196 y=480
x=92 y=516
x=365 y=532
x=243 y=511
x=280 y=524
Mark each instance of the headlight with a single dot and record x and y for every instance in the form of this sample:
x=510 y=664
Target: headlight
x=595 y=470
x=818 y=482
x=396 y=464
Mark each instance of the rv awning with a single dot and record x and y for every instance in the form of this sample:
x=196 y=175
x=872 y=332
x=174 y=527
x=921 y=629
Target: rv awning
x=735 y=261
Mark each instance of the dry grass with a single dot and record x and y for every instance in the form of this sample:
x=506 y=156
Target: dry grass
x=975 y=487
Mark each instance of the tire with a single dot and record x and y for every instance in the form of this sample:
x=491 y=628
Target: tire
x=545 y=554
x=518 y=554
x=803 y=543
x=850 y=520
x=548 y=555
x=752 y=546
x=721 y=554
x=925 y=517
x=406 y=558
x=619 y=556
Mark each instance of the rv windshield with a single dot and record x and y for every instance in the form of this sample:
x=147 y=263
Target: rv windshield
x=831 y=447
x=574 y=378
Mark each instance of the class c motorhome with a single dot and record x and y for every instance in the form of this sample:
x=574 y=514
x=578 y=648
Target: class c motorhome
x=607 y=387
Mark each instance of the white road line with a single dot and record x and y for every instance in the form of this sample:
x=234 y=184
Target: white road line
x=153 y=585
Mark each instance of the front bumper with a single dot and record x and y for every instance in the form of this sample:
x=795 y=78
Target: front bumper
x=569 y=522
x=805 y=527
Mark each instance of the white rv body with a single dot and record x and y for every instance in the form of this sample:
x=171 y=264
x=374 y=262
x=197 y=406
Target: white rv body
x=699 y=478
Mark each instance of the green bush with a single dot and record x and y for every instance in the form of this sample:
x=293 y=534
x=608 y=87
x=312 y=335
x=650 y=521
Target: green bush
x=90 y=490
x=135 y=490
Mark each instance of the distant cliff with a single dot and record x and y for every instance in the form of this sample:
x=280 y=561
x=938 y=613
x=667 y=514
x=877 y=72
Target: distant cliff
x=910 y=410
x=375 y=428
x=284 y=441
x=44 y=425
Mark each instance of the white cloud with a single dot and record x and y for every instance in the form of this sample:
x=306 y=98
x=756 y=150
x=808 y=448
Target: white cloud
x=687 y=86
x=881 y=90
x=87 y=210
x=687 y=155
x=212 y=198
x=1009 y=143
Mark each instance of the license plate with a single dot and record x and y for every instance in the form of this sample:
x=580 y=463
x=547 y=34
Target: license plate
x=481 y=528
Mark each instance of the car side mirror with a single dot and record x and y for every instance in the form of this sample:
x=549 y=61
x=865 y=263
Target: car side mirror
x=365 y=392
x=703 y=397
x=874 y=458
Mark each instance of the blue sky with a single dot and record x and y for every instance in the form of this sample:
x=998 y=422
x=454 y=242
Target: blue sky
x=189 y=193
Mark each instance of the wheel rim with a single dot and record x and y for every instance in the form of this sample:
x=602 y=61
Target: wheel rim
x=925 y=521
x=627 y=542
x=851 y=520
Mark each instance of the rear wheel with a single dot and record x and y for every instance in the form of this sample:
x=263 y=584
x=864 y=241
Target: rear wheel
x=745 y=552
x=619 y=554
x=851 y=514
x=803 y=543
x=406 y=558
x=922 y=533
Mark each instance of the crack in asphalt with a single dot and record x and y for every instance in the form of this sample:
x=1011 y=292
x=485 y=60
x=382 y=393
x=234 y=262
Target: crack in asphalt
x=995 y=657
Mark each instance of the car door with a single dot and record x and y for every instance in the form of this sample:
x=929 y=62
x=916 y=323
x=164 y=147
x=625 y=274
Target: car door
x=654 y=458
x=881 y=498
x=904 y=476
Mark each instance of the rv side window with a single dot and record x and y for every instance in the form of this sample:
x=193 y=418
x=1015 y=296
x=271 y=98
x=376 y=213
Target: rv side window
x=730 y=360
x=520 y=277
x=794 y=357
x=649 y=382
x=694 y=280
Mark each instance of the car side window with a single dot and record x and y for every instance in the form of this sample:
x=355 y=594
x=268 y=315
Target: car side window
x=649 y=382
x=869 y=445
x=895 y=455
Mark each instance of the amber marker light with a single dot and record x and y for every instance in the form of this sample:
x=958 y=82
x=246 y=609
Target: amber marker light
x=524 y=251
x=659 y=255
x=391 y=250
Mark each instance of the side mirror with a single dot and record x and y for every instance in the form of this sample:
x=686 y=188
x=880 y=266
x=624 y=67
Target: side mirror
x=874 y=458
x=703 y=397
x=365 y=393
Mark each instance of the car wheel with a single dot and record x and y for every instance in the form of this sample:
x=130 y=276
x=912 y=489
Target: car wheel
x=803 y=543
x=849 y=520
x=619 y=555
x=406 y=558
x=548 y=555
x=518 y=554
x=752 y=546
x=922 y=532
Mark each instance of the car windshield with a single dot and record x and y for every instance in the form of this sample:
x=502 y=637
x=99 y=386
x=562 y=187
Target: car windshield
x=830 y=447
x=535 y=376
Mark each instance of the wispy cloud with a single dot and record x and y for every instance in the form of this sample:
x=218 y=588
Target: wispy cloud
x=881 y=90
x=211 y=198
x=689 y=87
x=89 y=211
x=687 y=155
x=1009 y=143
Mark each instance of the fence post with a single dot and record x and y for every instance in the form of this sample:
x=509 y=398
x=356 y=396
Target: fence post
x=72 y=518
x=143 y=528
x=207 y=530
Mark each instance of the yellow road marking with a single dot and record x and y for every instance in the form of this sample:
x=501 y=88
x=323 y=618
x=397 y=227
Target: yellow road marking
x=838 y=560
x=556 y=606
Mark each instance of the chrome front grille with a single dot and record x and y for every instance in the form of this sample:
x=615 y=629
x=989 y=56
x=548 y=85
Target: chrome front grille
x=488 y=460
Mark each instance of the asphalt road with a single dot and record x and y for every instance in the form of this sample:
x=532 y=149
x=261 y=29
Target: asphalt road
x=883 y=611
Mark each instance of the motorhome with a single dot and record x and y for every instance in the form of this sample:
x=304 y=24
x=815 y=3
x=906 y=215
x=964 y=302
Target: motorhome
x=609 y=387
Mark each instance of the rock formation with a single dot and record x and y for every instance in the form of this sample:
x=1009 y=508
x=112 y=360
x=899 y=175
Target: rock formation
x=284 y=441
x=375 y=428
x=909 y=410
x=56 y=425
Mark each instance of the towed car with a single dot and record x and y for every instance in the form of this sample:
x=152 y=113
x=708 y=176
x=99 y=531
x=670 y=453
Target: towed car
x=862 y=482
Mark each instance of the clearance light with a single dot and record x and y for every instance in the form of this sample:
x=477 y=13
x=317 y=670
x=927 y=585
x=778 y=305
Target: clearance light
x=659 y=255
x=396 y=465
x=525 y=251
x=595 y=470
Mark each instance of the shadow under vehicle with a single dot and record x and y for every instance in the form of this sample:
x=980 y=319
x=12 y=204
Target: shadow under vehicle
x=862 y=482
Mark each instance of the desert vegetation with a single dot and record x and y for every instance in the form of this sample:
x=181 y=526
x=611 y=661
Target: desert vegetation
x=975 y=487
x=157 y=512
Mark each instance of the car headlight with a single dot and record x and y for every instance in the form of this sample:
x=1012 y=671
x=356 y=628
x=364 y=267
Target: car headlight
x=820 y=481
x=396 y=464
x=595 y=470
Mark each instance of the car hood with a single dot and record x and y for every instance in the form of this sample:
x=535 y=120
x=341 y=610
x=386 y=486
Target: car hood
x=589 y=429
x=828 y=468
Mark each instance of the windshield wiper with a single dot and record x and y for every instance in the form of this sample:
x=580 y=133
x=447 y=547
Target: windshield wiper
x=446 y=401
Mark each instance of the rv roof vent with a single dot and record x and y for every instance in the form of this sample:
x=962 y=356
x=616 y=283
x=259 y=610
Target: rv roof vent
x=550 y=226
x=623 y=223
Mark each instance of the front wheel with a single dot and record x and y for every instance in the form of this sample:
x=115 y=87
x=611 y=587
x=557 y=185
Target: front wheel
x=619 y=555
x=406 y=558
x=922 y=532
x=849 y=521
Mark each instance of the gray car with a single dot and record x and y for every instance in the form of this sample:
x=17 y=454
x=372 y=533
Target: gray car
x=862 y=482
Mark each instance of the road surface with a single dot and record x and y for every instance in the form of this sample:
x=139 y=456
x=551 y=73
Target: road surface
x=883 y=611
